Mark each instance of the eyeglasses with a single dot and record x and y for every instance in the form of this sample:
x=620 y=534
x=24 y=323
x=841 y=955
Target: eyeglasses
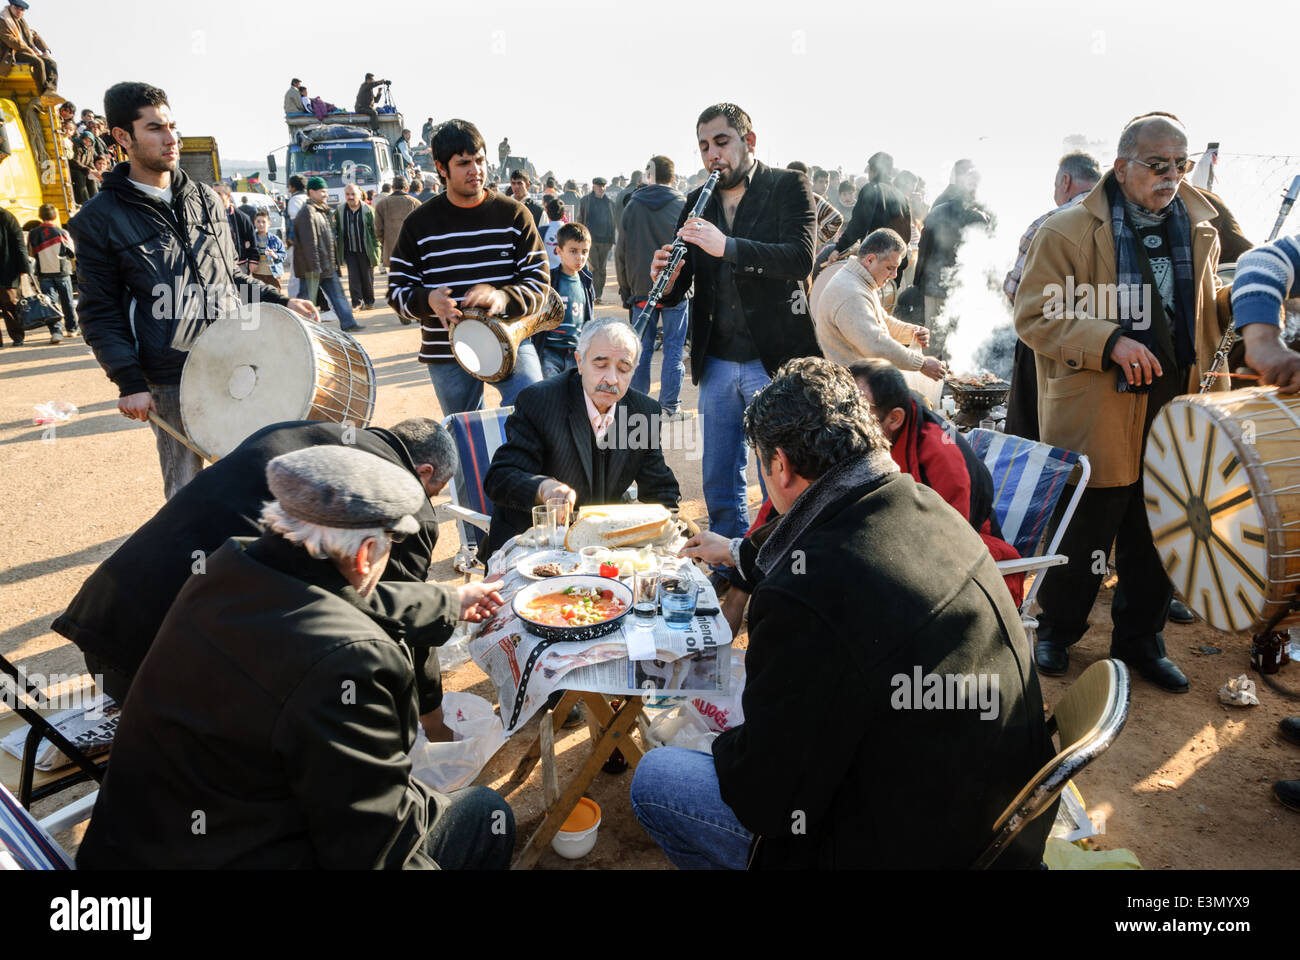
x=396 y=536
x=1161 y=167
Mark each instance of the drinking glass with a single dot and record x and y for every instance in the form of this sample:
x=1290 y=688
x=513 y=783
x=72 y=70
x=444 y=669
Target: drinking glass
x=645 y=597
x=591 y=559
x=561 y=505
x=678 y=592
x=544 y=524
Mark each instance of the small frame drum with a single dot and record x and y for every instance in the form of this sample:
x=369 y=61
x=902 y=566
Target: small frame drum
x=1222 y=484
x=486 y=347
x=243 y=374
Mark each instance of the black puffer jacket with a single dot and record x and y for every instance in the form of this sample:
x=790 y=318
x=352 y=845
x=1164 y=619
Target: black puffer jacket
x=142 y=266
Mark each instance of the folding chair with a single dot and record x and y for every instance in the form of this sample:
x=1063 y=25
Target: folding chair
x=1028 y=481
x=25 y=843
x=1088 y=719
x=27 y=704
x=477 y=435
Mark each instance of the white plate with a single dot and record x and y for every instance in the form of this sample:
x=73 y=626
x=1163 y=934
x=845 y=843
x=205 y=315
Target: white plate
x=571 y=563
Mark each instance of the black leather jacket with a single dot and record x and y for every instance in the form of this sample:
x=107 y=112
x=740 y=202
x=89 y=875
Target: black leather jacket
x=142 y=266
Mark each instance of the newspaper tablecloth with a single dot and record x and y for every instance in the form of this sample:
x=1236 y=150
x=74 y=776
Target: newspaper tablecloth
x=527 y=669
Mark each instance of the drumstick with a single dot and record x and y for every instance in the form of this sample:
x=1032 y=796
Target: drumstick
x=164 y=425
x=1225 y=373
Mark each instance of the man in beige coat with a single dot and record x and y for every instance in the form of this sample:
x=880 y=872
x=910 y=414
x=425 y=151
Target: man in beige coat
x=851 y=322
x=390 y=213
x=1118 y=303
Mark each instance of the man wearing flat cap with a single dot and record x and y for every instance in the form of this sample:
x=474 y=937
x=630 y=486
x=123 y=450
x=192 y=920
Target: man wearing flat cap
x=116 y=614
x=271 y=723
x=599 y=215
x=19 y=43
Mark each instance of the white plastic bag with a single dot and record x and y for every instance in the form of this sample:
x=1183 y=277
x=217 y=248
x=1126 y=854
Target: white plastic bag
x=721 y=713
x=479 y=734
x=53 y=411
x=682 y=726
x=455 y=652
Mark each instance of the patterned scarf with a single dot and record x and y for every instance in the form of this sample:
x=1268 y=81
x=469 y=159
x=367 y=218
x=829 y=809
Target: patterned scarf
x=1129 y=277
x=825 y=490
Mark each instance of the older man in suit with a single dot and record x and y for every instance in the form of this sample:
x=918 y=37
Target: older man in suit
x=583 y=435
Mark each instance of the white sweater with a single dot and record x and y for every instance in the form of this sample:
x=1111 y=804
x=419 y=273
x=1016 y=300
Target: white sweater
x=852 y=324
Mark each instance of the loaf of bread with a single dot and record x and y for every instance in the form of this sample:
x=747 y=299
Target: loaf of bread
x=620 y=525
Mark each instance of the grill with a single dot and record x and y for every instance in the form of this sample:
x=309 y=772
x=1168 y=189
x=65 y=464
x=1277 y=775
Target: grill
x=975 y=402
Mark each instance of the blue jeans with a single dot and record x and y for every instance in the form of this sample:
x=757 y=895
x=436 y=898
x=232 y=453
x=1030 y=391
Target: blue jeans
x=59 y=289
x=726 y=388
x=332 y=287
x=472 y=829
x=555 y=359
x=675 y=797
x=675 y=321
x=458 y=392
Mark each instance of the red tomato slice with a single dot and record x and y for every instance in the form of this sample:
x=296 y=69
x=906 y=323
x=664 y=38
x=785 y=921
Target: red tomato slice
x=609 y=570
x=607 y=594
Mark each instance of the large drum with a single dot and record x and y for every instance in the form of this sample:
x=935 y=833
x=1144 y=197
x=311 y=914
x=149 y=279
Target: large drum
x=486 y=347
x=243 y=374
x=1222 y=482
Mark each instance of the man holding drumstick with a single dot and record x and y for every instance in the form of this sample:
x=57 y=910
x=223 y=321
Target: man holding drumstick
x=155 y=265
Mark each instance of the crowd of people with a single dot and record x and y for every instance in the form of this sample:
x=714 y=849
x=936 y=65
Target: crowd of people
x=319 y=545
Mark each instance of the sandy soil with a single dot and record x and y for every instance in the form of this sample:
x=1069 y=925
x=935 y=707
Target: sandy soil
x=1187 y=785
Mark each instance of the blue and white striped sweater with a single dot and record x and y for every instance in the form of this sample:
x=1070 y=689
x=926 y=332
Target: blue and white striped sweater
x=1265 y=277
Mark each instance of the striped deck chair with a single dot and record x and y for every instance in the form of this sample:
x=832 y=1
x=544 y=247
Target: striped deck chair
x=1028 y=481
x=477 y=435
x=24 y=843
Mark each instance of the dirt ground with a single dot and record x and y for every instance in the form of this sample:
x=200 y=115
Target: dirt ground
x=1187 y=785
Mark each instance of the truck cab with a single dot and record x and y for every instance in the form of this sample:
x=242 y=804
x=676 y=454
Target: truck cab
x=341 y=150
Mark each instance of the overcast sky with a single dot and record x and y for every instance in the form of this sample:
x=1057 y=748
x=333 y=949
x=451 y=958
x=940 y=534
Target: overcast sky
x=589 y=88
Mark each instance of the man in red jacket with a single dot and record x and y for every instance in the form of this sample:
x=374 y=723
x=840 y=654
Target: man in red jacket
x=931 y=450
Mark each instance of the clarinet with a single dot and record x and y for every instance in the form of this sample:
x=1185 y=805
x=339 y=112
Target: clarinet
x=677 y=254
x=1229 y=336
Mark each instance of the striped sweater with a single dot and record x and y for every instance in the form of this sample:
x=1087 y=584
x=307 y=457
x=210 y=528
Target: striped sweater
x=443 y=245
x=1265 y=277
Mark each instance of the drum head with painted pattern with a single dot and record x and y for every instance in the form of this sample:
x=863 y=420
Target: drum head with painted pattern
x=1205 y=520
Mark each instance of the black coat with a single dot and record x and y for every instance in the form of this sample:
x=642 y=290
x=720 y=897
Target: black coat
x=549 y=435
x=891 y=579
x=13 y=251
x=774 y=229
x=133 y=253
x=118 y=610
x=879 y=205
x=281 y=706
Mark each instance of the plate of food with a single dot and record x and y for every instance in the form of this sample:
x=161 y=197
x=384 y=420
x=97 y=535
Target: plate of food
x=548 y=563
x=573 y=608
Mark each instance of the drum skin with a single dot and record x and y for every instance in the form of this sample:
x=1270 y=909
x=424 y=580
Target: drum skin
x=486 y=346
x=246 y=373
x=1221 y=476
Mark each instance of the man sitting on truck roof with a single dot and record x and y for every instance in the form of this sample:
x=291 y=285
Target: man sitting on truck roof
x=367 y=98
x=19 y=43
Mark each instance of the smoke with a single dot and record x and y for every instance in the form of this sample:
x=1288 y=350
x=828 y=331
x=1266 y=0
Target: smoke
x=975 y=320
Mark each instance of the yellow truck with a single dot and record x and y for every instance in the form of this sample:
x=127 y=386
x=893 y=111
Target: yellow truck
x=200 y=159
x=36 y=168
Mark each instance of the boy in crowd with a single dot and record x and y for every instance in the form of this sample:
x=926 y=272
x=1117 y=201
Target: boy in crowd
x=52 y=249
x=574 y=283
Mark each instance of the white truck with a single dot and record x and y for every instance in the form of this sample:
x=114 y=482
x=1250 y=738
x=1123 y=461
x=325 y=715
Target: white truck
x=342 y=150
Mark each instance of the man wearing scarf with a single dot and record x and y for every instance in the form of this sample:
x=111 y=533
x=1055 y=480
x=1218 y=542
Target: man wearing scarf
x=1118 y=303
x=867 y=580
